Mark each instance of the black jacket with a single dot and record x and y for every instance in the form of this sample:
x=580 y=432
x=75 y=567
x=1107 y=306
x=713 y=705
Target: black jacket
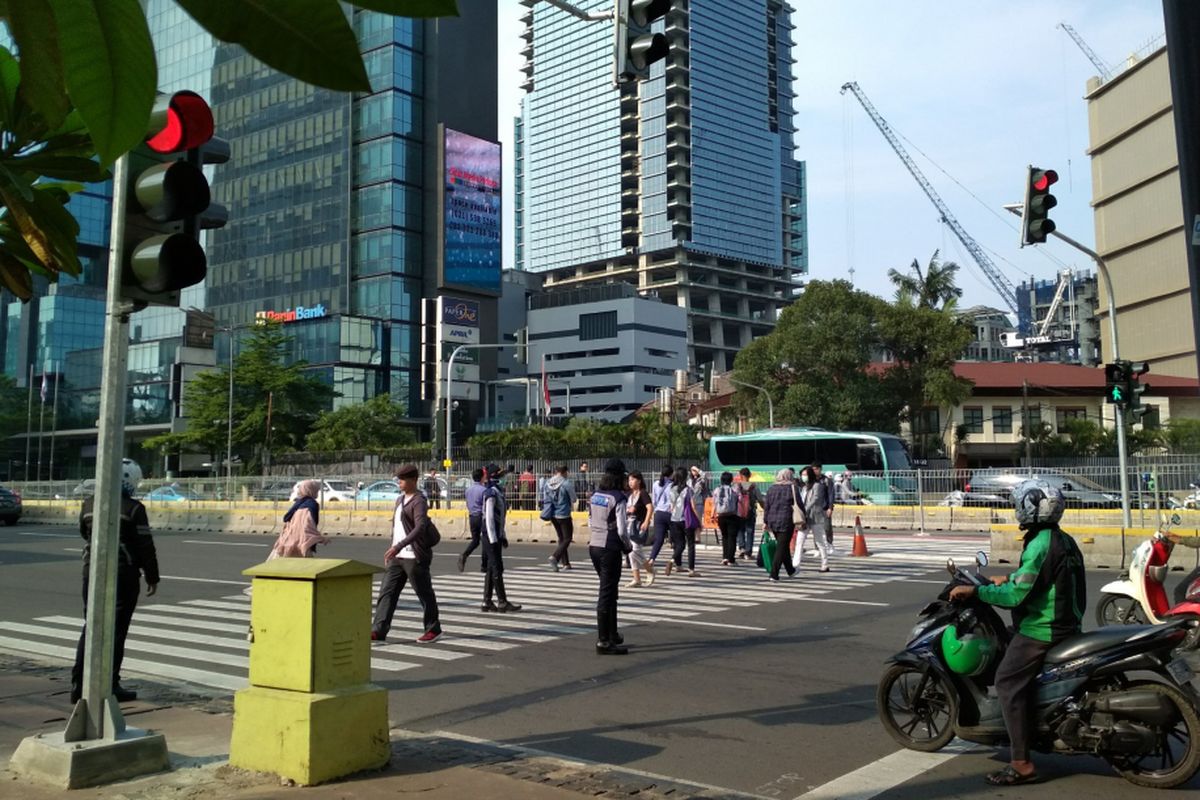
x=137 y=545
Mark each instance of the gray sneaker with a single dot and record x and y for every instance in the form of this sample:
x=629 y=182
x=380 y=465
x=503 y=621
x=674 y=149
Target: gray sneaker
x=553 y=563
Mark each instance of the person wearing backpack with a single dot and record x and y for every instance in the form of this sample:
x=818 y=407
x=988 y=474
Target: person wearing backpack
x=749 y=501
x=608 y=544
x=408 y=560
x=725 y=502
x=684 y=524
x=495 y=542
x=558 y=500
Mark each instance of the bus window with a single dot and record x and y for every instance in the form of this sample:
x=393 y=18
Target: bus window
x=758 y=452
x=869 y=457
x=837 y=452
x=731 y=452
x=795 y=453
x=896 y=453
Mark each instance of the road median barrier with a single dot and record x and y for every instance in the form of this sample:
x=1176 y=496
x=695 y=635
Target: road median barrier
x=1101 y=545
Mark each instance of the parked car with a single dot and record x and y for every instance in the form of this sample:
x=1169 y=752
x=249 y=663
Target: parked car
x=1077 y=491
x=275 y=490
x=974 y=499
x=379 y=492
x=10 y=505
x=170 y=494
x=333 y=491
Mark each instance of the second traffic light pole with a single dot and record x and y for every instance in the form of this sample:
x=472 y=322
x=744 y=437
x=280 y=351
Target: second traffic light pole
x=1122 y=448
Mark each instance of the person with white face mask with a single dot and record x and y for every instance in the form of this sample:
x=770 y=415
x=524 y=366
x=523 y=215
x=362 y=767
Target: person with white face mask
x=813 y=496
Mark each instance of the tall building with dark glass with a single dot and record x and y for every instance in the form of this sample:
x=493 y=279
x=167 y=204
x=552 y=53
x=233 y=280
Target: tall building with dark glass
x=685 y=183
x=333 y=226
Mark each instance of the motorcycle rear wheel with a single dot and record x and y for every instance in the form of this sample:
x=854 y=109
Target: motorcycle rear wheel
x=1178 y=756
x=917 y=709
x=1119 y=609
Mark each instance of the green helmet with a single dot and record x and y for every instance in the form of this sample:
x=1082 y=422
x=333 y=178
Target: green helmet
x=969 y=654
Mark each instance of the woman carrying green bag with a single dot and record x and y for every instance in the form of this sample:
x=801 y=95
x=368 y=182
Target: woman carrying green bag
x=778 y=516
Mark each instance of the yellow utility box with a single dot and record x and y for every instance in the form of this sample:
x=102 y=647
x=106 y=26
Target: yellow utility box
x=311 y=713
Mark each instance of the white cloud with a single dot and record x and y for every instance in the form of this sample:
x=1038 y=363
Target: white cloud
x=984 y=88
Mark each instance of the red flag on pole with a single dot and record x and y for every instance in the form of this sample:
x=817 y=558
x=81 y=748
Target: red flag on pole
x=545 y=387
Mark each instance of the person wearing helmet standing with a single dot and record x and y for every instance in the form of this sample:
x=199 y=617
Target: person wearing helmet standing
x=608 y=545
x=136 y=556
x=1047 y=595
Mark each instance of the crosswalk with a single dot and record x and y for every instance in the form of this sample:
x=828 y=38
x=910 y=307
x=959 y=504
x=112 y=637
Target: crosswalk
x=202 y=642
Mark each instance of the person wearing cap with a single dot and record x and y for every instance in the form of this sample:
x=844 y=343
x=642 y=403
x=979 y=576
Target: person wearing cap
x=608 y=546
x=494 y=543
x=408 y=560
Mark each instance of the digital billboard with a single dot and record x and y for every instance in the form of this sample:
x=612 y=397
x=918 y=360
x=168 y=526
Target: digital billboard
x=471 y=214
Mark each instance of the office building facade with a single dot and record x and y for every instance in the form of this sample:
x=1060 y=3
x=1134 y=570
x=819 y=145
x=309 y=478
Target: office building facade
x=1140 y=230
x=684 y=184
x=337 y=212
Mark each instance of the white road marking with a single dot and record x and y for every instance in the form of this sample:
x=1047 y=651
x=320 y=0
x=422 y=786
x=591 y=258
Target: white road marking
x=51 y=535
x=205 y=580
x=885 y=774
x=229 y=544
x=713 y=624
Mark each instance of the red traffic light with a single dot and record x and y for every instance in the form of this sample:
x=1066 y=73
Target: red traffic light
x=179 y=121
x=1045 y=180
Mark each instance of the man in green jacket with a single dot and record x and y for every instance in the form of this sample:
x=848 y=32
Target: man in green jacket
x=1047 y=595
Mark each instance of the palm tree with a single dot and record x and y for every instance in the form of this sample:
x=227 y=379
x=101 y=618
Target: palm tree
x=934 y=288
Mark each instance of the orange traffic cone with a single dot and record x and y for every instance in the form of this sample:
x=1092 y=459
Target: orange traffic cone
x=860 y=541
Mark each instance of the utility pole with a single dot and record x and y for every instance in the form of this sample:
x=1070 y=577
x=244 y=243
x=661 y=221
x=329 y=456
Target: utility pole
x=766 y=394
x=1026 y=424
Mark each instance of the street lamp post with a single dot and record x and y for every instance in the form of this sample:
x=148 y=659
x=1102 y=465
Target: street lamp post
x=450 y=394
x=766 y=394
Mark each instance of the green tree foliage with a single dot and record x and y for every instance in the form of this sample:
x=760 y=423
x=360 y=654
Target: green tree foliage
x=86 y=80
x=375 y=426
x=1081 y=438
x=934 y=287
x=645 y=435
x=817 y=364
x=263 y=384
x=1181 y=435
x=14 y=405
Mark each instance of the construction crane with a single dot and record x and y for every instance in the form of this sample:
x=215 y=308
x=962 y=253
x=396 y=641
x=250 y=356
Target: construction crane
x=1101 y=68
x=1001 y=284
x=1045 y=335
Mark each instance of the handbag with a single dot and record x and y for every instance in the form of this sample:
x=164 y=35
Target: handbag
x=799 y=518
x=690 y=520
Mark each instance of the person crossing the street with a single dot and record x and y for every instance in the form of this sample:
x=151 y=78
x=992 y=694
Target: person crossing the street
x=408 y=560
x=749 y=501
x=660 y=499
x=474 y=497
x=560 y=496
x=812 y=497
x=608 y=545
x=495 y=542
x=779 y=517
x=640 y=528
x=725 y=506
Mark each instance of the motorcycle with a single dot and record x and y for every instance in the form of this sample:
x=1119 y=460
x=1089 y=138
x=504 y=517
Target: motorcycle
x=1088 y=700
x=1139 y=597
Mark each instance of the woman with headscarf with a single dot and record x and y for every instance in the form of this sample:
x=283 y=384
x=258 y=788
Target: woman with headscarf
x=608 y=545
x=300 y=537
x=778 y=517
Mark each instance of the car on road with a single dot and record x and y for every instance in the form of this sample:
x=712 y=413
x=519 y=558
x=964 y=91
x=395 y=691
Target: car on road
x=333 y=491
x=274 y=490
x=973 y=500
x=379 y=492
x=1077 y=491
x=170 y=494
x=10 y=505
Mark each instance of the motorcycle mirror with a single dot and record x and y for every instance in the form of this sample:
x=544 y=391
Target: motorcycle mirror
x=1176 y=519
x=981 y=558
x=951 y=567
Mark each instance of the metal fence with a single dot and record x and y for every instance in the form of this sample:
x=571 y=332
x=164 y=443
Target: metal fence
x=944 y=499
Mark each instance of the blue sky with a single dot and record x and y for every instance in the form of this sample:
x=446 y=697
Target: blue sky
x=984 y=88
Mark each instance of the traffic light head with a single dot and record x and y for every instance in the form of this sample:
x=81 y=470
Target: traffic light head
x=636 y=46
x=1137 y=388
x=1116 y=382
x=1036 y=224
x=169 y=202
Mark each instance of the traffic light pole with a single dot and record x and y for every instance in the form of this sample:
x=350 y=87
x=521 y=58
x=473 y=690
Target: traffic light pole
x=1122 y=449
x=575 y=11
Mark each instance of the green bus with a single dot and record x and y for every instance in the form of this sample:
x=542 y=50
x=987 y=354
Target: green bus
x=873 y=458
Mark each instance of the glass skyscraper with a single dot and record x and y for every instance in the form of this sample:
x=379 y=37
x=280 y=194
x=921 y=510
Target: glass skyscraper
x=685 y=183
x=332 y=226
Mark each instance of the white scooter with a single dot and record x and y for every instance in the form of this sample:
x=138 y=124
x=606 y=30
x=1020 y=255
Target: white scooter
x=1139 y=597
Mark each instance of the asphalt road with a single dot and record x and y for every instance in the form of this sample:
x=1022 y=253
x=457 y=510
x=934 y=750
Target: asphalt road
x=761 y=689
